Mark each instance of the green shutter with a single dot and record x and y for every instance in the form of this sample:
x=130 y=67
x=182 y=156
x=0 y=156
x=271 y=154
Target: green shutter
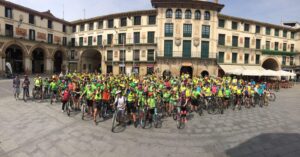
x=204 y=49
x=99 y=40
x=81 y=41
x=168 y=48
x=187 y=48
x=90 y=41
x=221 y=57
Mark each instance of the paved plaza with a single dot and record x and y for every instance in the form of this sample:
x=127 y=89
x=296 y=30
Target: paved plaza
x=40 y=130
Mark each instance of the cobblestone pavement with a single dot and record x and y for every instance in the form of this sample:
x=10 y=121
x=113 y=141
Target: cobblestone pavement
x=40 y=130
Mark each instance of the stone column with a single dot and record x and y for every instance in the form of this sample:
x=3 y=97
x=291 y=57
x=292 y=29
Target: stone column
x=2 y=65
x=28 y=65
x=49 y=65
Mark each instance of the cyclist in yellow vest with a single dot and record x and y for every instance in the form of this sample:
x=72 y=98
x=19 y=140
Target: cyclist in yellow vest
x=131 y=106
x=97 y=103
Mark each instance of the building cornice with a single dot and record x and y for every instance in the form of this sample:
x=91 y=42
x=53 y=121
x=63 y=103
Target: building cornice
x=227 y=17
x=187 y=4
x=117 y=15
x=46 y=14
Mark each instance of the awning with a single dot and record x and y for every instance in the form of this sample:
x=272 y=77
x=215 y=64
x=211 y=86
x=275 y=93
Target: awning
x=253 y=71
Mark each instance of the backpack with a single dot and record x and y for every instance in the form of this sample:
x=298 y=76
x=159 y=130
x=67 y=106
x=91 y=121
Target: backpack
x=66 y=96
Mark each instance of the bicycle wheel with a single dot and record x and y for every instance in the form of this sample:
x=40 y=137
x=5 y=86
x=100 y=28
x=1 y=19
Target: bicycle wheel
x=114 y=121
x=68 y=107
x=83 y=111
x=272 y=97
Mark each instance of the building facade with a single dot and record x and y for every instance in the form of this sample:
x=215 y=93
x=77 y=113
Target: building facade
x=181 y=36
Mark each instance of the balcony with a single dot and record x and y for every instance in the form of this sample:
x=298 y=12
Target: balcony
x=179 y=55
x=278 y=53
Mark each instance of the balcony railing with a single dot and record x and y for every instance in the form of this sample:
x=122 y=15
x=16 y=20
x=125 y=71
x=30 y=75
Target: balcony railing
x=278 y=53
x=179 y=54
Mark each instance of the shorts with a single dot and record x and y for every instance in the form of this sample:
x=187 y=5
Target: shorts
x=89 y=103
x=194 y=102
x=131 y=107
x=54 y=92
x=17 y=90
x=226 y=98
x=37 y=88
x=97 y=104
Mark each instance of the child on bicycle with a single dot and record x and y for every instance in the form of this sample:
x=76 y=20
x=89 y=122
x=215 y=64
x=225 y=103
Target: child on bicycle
x=65 y=97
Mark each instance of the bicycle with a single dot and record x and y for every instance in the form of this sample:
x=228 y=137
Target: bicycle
x=179 y=118
x=25 y=93
x=68 y=108
x=211 y=105
x=84 y=108
x=120 y=117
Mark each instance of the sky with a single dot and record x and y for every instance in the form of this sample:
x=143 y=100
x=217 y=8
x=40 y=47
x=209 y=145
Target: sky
x=271 y=11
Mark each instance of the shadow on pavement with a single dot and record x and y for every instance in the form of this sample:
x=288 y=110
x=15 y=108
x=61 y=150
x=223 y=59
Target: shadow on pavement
x=271 y=144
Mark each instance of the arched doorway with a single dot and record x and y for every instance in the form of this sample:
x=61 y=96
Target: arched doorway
x=204 y=73
x=270 y=64
x=58 y=60
x=14 y=56
x=91 y=61
x=186 y=70
x=221 y=73
x=38 y=61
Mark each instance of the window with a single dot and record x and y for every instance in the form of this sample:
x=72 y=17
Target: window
x=283 y=60
x=109 y=55
x=258 y=45
x=122 y=55
x=188 y=14
x=178 y=14
x=169 y=13
x=168 y=48
x=268 y=31
x=207 y=15
x=268 y=45
x=205 y=31
x=291 y=60
x=8 y=12
x=50 y=24
x=9 y=30
x=72 y=54
x=246 y=27
x=234 y=58
x=64 y=28
x=80 y=41
x=293 y=35
x=150 y=55
x=235 y=41
x=136 y=37
x=31 y=34
x=109 y=39
x=221 y=40
x=284 y=33
x=137 y=20
x=187 y=49
x=169 y=29
x=221 y=23
x=292 y=47
x=257 y=59
x=91 y=26
x=73 y=42
x=100 y=25
x=99 y=40
x=234 y=25
x=284 y=47
x=152 y=19
x=151 y=37
x=221 y=57
x=257 y=29
x=204 y=49
x=64 y=41
x=246 y=59
x=247 y=42
x=50 y=38
x=31 y=19
x=276 y=32
x=110 y=23
x=73 y=29
x=123 y=22
x=276 y=46
x=136 y=55
x=187 y=30
x=197 y=15
x=90 y=41
x=82 y=28
x=122 y=38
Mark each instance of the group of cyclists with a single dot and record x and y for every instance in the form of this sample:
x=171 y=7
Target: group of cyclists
x=131 y=94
